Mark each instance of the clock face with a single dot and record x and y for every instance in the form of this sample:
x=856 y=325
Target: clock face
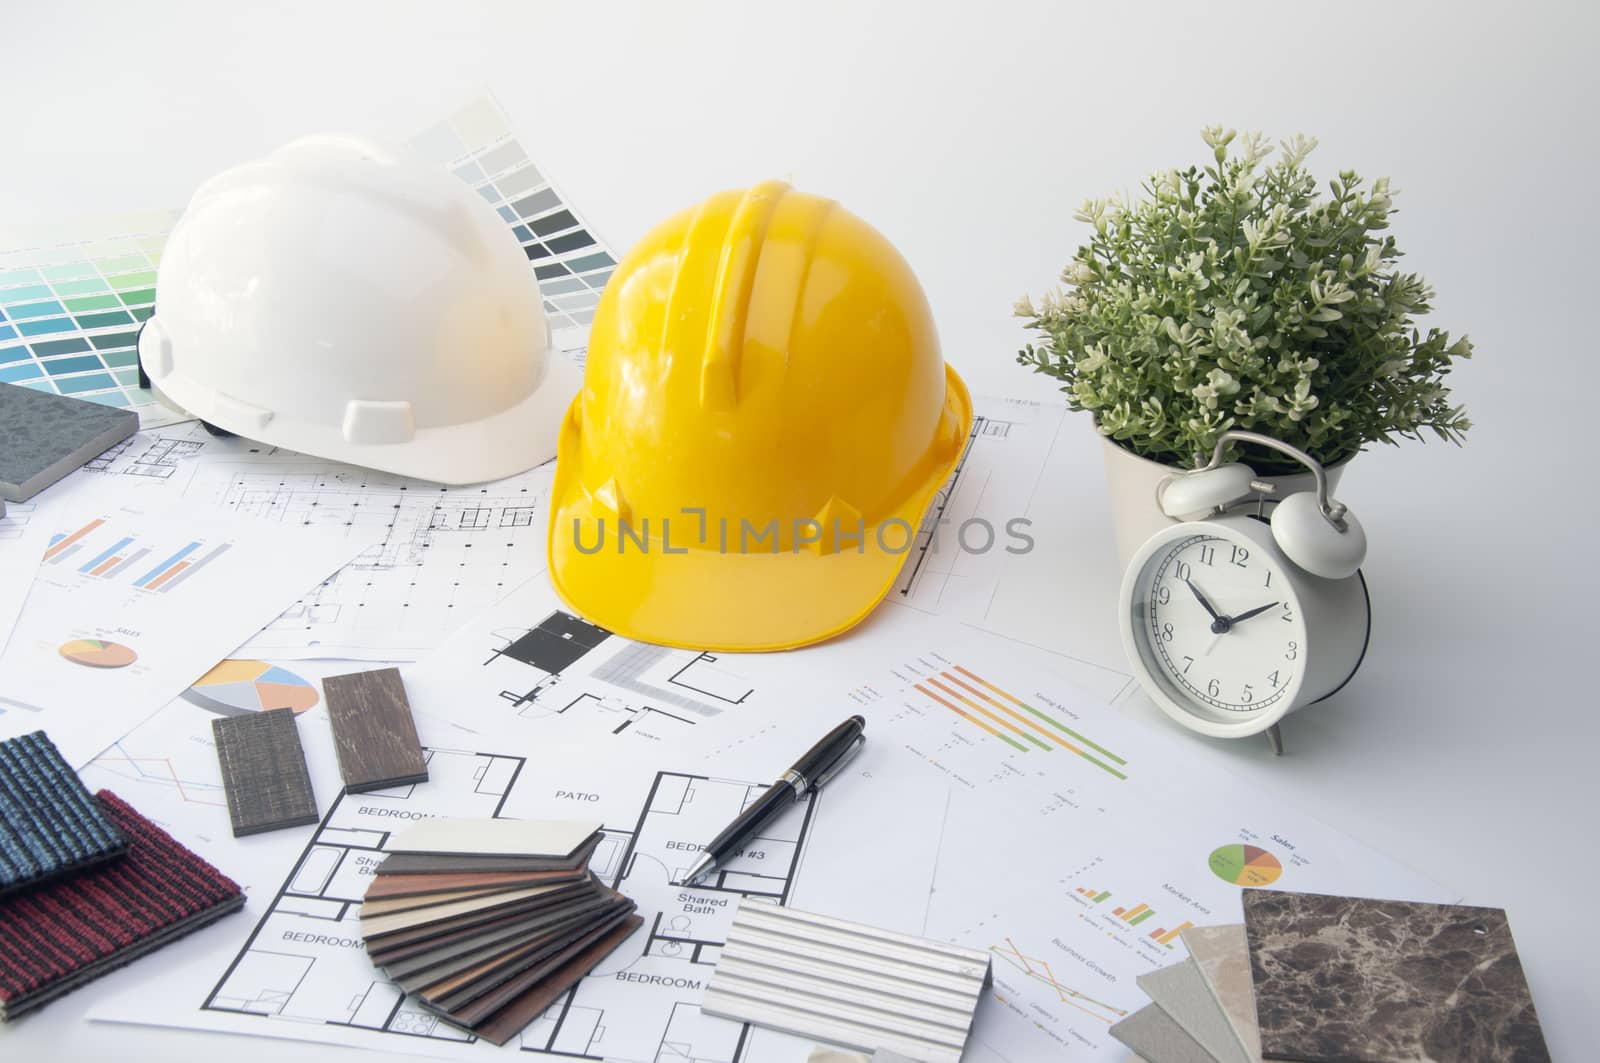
x=1219 y=626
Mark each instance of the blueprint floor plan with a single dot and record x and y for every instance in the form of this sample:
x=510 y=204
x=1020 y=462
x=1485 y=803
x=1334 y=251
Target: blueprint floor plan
x=304 y=964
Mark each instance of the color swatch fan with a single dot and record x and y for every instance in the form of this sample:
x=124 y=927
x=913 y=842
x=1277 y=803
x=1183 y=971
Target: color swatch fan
x=488 y=921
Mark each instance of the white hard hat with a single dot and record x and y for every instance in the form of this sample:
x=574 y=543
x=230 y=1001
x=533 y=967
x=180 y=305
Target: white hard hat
x=334 y=299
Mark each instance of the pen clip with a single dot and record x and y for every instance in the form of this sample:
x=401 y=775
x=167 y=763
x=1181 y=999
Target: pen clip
x=844 y=758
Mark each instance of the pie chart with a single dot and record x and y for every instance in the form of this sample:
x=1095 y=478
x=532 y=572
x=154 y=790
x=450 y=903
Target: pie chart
x=237 y=687
x=94 y=653
x=1245 y=865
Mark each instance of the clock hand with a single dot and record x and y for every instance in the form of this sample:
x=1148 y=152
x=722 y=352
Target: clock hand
x=1202 y=599
x=1253 y=612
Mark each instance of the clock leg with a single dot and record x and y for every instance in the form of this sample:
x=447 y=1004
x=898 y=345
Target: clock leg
x=1275 y=740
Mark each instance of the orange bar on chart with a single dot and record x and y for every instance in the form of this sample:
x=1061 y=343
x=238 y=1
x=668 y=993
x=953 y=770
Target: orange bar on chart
x=74 y=537
x=155 y=584
x=1134 y=911
x=1167 y=938
x=105 y=566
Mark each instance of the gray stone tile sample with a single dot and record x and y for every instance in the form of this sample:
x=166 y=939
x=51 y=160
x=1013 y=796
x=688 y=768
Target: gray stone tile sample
x=43 y=437
x=1222 y=956
x=1181 y=992
x=1155 y=1037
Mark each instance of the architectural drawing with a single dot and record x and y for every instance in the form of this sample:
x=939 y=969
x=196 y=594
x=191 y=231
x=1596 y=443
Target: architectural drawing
x=304 y=964
x=621 y=681
x=155 y=454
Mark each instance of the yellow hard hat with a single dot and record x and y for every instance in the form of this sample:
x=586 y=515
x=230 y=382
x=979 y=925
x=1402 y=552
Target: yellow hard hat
x=764 y=418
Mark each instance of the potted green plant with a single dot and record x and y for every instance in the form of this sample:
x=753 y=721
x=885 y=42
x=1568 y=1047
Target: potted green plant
x=1234 y=296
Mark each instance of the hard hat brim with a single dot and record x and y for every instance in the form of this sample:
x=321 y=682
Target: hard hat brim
x=516 y=439
x=730 y=600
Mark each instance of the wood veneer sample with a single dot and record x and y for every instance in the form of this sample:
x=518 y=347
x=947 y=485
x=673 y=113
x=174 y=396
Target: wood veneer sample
x=510 y=1020
x=373 y=731
x=449 y=957
x=488 y=1006
x=467 y=983
x=426 y=948
x=433 y=864
x=264 y=773
x=384 y=886
x=517 y=838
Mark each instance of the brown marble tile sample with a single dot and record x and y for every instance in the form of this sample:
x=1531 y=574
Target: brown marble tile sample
x=1223 y=958
x=1349 y=980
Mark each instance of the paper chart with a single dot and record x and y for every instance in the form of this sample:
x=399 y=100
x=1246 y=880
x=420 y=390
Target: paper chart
x=431 y=555
x=129 y=605
x=22 y=542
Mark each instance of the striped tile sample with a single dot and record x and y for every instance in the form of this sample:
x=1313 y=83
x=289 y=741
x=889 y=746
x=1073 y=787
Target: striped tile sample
x=60 y=936
x=847 y=983
x=49 y=825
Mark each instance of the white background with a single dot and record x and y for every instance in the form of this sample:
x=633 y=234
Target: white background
x=969 y=133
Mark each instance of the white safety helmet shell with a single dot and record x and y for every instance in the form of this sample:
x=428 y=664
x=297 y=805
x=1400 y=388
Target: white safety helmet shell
x=337 y=300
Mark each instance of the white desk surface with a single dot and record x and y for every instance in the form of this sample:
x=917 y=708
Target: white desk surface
x=1466 y=746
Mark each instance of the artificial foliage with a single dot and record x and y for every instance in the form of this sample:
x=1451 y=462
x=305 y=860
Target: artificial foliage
x=1234 y=296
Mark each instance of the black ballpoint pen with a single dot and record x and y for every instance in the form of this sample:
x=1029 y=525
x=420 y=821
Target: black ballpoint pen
x=815 y=767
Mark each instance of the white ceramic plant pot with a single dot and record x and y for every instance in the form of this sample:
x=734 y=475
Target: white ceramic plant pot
x=1132 y=482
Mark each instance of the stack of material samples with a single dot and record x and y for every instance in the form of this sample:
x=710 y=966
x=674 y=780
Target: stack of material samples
x=57 y=936
x=487 y=921
x=1341 y=980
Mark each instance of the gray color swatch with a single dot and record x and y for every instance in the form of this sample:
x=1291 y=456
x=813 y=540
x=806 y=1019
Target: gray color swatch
x=1350 y=980
x=264 y=772
x=1154 y=1036
x=1223 y=958
x=1181 y=992
x=43 y=437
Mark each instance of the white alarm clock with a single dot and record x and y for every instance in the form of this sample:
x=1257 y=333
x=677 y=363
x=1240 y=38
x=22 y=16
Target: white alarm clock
x=1233 y=621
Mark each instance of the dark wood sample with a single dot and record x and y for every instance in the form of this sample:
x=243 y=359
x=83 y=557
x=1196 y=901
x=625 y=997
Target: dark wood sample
x=373 y=731
x=264 y=773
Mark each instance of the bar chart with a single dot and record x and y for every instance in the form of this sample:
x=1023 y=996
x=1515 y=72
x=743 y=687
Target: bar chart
x=1004 y=716
x=99 y=551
